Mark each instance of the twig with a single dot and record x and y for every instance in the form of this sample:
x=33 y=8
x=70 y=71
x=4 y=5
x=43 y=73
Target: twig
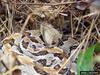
x=88 y=15
x=47 y=4
x=25 y=23
x=75 y=53
x=97 y=30
x=4 y=23
x=72 y=26
x=90 y=30
x=9 y=16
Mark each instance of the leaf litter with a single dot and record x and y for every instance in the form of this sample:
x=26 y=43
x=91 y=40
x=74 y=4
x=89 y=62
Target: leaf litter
x=32 y=53
x=44 y=37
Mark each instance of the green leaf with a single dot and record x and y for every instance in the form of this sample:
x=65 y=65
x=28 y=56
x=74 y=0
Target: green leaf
x=85 y=59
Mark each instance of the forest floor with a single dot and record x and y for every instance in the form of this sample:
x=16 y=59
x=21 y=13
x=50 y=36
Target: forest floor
x=49 y=37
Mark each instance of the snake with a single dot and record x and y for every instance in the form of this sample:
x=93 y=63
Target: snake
x=47 y=57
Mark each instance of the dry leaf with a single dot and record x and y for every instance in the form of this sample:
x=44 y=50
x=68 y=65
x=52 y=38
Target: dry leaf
x=7 y=48
x=25 y=60
x=49 y=33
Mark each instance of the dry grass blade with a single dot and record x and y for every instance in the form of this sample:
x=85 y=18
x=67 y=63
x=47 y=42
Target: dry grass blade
x=25 y=23
x=75 y=53
x=97 y=31
x=48 y=4
x=84 y=42
x=89 y=32
x=10 y=17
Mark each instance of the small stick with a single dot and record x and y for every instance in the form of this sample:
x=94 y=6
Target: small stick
x=47 y=4
x=25 y=23
x=77 y=50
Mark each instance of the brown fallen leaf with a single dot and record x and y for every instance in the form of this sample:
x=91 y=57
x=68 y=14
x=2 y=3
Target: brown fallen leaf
x=49 y=33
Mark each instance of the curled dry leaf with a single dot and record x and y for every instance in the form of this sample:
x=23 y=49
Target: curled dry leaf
x=49 y=33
